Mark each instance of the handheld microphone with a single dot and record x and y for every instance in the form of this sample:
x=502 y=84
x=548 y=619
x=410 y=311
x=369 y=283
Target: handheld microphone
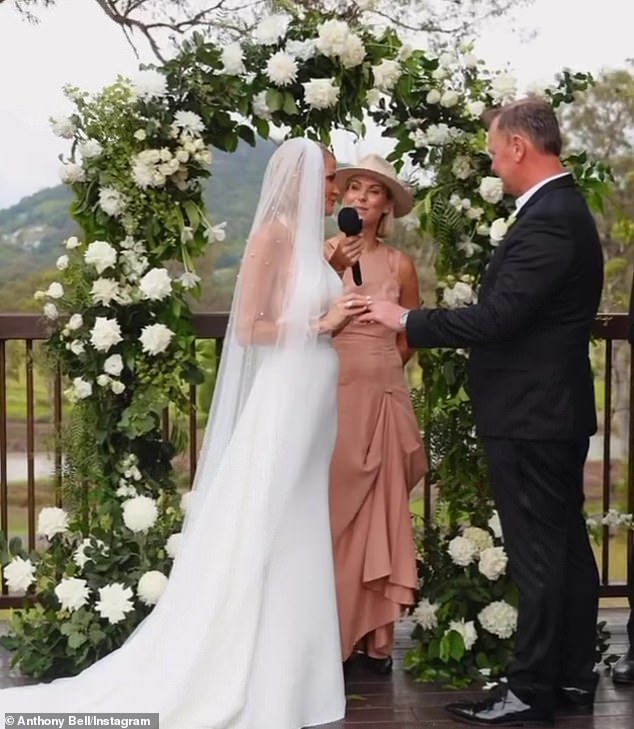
x=351 y=224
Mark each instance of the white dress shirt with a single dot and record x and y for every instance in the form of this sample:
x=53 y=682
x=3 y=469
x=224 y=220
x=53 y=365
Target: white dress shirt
x=526 y=196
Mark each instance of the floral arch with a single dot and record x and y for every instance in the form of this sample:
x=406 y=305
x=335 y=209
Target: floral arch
x=121 y=324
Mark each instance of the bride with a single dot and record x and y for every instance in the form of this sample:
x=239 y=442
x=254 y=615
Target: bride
x=245 y=635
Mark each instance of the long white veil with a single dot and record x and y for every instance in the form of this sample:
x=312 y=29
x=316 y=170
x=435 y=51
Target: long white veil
x=190 y=658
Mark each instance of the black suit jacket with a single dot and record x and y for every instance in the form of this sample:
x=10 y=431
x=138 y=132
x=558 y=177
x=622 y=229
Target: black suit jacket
x=529 y=368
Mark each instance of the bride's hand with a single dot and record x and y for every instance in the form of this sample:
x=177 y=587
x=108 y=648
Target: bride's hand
x=342 y=311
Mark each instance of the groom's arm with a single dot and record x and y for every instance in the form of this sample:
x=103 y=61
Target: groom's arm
x=532 y=269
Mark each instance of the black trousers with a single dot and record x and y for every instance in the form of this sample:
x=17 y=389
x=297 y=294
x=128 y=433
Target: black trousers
x=630 y=597
x=538 y=490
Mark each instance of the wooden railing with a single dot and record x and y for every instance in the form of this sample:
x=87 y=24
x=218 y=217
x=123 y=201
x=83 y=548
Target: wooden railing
x=25 y=332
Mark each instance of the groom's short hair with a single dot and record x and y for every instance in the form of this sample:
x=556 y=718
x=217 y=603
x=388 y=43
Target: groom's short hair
x=532 y=117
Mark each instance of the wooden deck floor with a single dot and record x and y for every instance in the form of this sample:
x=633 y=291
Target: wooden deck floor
x=398 y=702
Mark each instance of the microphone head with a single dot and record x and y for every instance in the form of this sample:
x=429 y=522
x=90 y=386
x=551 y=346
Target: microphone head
x=349 y=221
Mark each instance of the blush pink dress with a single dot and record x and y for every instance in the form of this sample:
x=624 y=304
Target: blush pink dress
x=379 y=457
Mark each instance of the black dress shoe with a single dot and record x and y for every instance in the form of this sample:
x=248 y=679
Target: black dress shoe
x=575 y=700
x=623 y=669
x=503 y=708
x=380 y=666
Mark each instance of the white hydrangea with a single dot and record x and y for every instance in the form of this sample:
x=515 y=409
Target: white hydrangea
x=493 y=563
x=271 y=30
x=156 y=284
x=480 y=537
x=499 y=618
x=425 y=614
x=467 y=632
x=19 y=574
x=151 y=586
x=462 y=168
x=111 y=201
x=63 y=126
x=105 y=333
x=51 y=521
x=140 y=513
x=462 y=551
x=387 y=74
x=101 y=255
x=70 y=173
x=115 y=602
x=149 y=83
x=232 y=58
x=72 y=593
x=321 y=93
x=438 y=134
x=282 y=69
x=155 y=338
x=503 y=88
x=491 y=189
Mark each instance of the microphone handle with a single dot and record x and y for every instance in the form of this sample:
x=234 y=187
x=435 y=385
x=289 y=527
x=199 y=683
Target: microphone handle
x=356 y=273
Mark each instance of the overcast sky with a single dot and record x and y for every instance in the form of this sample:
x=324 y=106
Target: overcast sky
x=76 y=44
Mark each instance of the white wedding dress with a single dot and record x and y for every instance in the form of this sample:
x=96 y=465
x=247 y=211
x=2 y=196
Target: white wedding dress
x=246 y=635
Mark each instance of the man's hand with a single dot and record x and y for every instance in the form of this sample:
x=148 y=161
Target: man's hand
x=384 y=312
x=342 y=251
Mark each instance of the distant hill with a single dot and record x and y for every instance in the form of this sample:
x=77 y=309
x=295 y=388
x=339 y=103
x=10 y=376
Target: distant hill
x=32 y=231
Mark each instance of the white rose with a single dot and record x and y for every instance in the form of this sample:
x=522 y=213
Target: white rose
x=62 y=263
x=499 y=618
x=476 y=108
x=72 y=242
x=72 y=593
x=493 y=563
x=461 y=167
x=321 y=93
x=156 y=284
x=105 y=334
x=77 y=347
x=151 y=586
x=155 y=338
x=103 y=380
x=55 y=290
x=50 y=311
x=80 y=389
x=52 y=521
x=232 y=58
x=387 y=74
x=491 y=189
x=462 y=551
x=449 y=99
x=19 y=574
x=62 y=126
x=498 y=230
x=71 y=173
x=90 y=149
x=140 y=513
x=425 y=614
x=101 y=255
x=113 y=365
x=467 y=632
x=117 y=387
x=173 y=543
x=433 y=96
x=115 y=601
x=475 y=213
x=75 y=322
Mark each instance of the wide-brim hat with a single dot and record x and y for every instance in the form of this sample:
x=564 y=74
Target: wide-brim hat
x=372 y=165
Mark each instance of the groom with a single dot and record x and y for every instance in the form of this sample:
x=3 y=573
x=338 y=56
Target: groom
x=532 y=391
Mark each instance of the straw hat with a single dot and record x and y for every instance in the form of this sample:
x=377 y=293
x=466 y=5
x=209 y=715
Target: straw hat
x=372 y=165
